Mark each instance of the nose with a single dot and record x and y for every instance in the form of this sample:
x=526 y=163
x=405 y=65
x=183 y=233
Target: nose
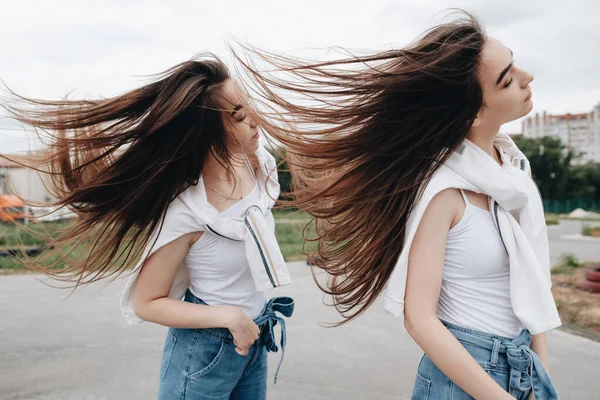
x=527 y=78
x=252 y=120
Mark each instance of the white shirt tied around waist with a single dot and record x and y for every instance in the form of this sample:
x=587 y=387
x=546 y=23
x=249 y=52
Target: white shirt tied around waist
x=191 y=212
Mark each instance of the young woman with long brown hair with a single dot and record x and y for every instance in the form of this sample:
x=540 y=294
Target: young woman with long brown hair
x=173 y=174
x=399 y=158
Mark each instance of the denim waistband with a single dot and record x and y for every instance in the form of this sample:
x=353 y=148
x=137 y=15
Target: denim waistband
x=526 y=369
x=487 y=340
x=266 y=321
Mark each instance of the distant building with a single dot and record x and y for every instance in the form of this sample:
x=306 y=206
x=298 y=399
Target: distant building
x=21 y=181
x=581 y=132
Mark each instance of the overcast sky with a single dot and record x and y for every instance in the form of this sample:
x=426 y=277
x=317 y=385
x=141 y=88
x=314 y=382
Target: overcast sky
x=105 y=47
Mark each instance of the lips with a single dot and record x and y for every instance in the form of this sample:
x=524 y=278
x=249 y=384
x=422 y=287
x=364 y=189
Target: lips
x=529 y=96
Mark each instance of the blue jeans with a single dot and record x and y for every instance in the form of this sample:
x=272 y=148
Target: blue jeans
x=510 y=362
x=202 y=364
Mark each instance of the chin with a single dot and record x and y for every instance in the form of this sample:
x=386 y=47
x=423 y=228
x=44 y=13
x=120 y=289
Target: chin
x=528 y=107
x=252 y=147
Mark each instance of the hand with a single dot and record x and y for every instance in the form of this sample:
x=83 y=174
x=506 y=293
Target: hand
x=245 y=332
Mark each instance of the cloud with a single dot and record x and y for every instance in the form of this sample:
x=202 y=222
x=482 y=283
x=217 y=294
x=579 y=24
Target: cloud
x=105 y=47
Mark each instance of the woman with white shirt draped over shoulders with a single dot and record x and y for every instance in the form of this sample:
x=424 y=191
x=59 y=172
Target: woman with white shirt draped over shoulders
x=173 y=174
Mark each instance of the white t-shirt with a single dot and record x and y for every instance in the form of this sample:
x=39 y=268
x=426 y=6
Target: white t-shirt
x=218 y=267
x=191 y=212
x=475 y=292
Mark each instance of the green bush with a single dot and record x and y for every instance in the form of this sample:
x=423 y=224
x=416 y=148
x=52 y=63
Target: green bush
x=590 y=230
x=14 y=237
x=567 y=265
x=570 y=260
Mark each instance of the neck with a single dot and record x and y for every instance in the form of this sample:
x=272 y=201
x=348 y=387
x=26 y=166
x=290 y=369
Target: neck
x=483 y=137
x=214 y=167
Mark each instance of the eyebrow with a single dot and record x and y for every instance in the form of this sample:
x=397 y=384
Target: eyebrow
x=505 y=70
x=236 y=109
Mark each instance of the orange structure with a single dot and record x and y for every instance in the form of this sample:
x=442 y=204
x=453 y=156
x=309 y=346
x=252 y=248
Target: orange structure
x=11 y=208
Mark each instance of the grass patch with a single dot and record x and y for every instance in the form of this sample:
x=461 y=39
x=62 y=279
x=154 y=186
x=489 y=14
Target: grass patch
x=567 y=265
x=289 y=226
x=15 y=264
x=590 y=230
x=290 y=239
x=291 y=214
x=552 y=219
x=9 y=264
x=576 y=306
x=12 y=236
x=563 y=270
x=15 y=237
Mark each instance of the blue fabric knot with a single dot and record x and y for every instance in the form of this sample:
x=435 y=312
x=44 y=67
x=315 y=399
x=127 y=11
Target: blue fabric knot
x=527 y=371
x=269 y=319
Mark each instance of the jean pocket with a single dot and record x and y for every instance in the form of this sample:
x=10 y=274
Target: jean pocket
x=170 y=342
x=421 y=389
x=207 y=353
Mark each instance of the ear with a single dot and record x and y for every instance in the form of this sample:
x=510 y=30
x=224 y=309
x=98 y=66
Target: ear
x=477 y=121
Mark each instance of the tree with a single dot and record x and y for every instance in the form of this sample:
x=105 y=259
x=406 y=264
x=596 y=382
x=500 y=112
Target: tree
x=584 y=181
x=283 y=173
x=552 y=171
x=550 y=164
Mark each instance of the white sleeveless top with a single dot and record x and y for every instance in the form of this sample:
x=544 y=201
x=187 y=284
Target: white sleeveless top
x=475 y=291
x=218 y=267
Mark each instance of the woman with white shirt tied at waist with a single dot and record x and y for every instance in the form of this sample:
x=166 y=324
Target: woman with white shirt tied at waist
x=417 y=195
x=173 y=174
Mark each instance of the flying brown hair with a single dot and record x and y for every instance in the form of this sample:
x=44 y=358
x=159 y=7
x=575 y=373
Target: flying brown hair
x=119 y=162
x=362 y=137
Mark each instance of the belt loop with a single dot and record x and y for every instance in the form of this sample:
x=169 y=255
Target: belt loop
x=495 y=351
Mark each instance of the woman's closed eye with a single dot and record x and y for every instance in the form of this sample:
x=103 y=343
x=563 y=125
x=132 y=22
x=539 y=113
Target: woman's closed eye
x=238 y=113
x=507 y=84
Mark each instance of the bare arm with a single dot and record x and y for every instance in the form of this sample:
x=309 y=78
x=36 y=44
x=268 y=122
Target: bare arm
x=538 y=345
x=151 y=301
x=425 y=266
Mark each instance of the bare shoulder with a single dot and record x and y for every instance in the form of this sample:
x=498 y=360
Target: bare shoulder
x=447 y=199
x=447 y=205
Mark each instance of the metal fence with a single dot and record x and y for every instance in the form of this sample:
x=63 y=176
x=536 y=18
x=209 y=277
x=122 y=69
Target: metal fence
x=568 y=205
